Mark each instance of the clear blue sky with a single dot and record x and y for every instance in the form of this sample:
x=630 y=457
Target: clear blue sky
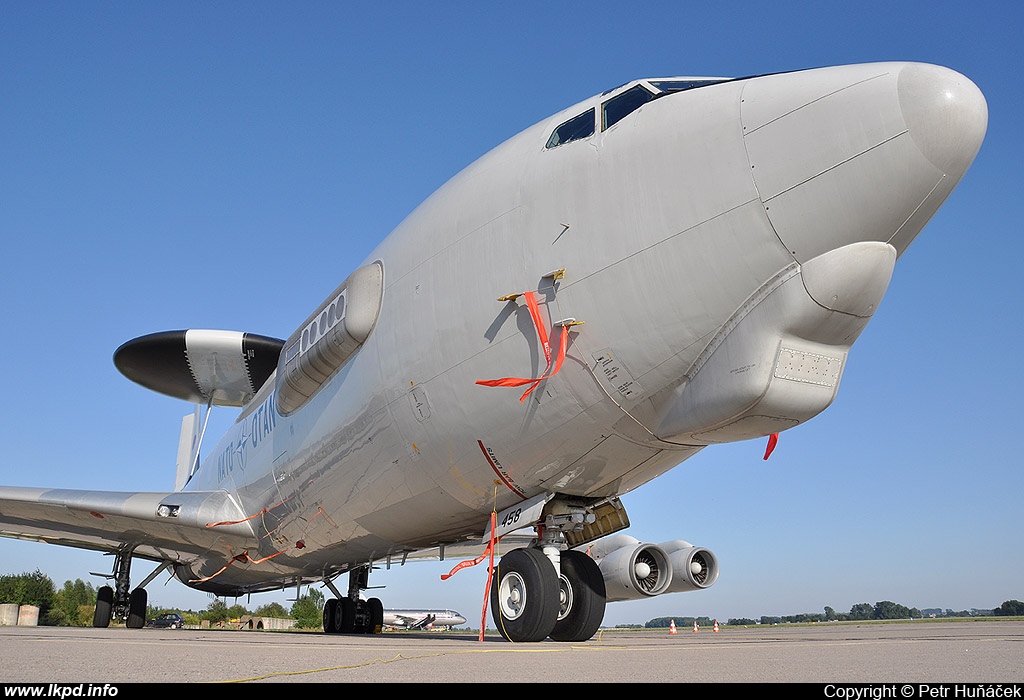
x=226 y=165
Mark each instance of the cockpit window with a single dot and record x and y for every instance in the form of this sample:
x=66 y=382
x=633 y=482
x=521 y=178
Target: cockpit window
x=622 y=105
x=579 y=127
x=679 y=85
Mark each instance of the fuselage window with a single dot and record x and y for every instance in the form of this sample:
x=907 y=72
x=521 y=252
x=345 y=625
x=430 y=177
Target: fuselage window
x=579 y=127
x=622 y=105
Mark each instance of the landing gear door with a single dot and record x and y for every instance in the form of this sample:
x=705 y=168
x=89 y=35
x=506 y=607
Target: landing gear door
x=518 y=516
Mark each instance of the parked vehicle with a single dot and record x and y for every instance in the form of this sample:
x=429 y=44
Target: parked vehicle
x=172 y=621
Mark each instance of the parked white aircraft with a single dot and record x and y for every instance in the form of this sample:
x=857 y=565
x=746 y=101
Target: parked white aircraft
x=422 y=619
x=671 y=264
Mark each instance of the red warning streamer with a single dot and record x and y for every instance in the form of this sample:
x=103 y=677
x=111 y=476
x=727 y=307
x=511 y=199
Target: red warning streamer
x=489 y=552
x=551 y=369
x=490 y=574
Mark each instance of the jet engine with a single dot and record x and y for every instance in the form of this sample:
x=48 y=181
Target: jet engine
x=634 y=570
x=693 y=568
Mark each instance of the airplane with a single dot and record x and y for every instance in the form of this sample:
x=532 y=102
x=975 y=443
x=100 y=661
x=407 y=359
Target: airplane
x=672 y=264
x=422 y=619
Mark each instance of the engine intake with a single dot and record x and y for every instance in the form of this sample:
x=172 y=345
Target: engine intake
x=632 y=570
x=635 y=570
x=693 y=568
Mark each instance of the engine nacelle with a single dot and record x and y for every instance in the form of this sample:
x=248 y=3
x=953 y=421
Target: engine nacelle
x=634 y=570
x=693 y=568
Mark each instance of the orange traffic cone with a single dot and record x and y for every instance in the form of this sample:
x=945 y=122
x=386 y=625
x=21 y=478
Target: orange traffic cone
x=695 y=626
x=716 y=625
x=672 y=627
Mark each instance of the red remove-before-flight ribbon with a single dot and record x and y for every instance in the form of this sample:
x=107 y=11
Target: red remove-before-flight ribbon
x=551 y=369
x=488 y=552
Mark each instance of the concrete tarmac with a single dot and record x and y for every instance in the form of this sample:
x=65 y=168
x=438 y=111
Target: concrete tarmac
x=906 y=652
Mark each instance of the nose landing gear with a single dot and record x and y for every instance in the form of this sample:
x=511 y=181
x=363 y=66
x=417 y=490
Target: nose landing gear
x=349 y=614
x=120 y=603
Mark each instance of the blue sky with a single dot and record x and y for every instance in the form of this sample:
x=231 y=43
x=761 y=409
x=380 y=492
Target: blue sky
x=226 y=165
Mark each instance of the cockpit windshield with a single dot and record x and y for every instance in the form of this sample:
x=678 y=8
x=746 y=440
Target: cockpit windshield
x=667 y=86
x=579 y=127
x=622 y=105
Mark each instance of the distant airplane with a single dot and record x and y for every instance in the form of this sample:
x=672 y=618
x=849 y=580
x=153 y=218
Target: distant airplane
x=674 y=263
x=422 y=619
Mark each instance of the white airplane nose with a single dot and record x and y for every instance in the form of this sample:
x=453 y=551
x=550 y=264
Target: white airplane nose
x=945 y=113
x=859 y=153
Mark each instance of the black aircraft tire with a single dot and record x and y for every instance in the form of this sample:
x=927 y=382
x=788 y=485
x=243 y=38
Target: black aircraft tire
x=583 y=598
x=104 y=607
x=524 y=596
x=330 y=615
x=137 y=609
x=375 y=609
x=346 y=616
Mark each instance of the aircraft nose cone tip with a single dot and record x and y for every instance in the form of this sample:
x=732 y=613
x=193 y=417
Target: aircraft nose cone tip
x=946 y=114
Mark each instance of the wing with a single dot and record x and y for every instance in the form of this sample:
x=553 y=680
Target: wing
x=401 y=621
x=174 y=526
x=408 y=622
x=420 y=622
x=462 y=550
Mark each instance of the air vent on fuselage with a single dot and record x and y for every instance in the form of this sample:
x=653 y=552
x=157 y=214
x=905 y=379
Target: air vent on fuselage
x=329 y=337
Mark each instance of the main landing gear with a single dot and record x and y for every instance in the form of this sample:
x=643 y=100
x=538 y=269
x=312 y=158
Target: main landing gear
x=350 y=614
x=117 y=602
x=537 y=594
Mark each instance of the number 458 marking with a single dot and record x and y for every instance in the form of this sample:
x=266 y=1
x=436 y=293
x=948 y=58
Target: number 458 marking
x=520 y=515
x=511 y=518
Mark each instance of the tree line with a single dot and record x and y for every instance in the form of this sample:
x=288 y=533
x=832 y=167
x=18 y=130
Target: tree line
x=882 y=610
x=73 y=604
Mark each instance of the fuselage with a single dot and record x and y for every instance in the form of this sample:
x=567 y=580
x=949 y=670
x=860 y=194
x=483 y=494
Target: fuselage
x=718 y=249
